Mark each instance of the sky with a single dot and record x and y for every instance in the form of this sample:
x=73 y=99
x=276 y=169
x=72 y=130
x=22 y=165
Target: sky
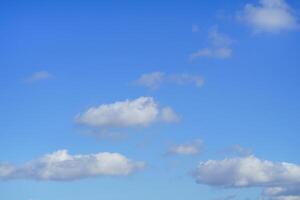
x=133 y=100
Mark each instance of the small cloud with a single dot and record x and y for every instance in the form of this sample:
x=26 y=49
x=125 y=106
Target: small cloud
x=136 y=113
x=220 y=46
x=271 y=16
x=152 y=80
x=39 y=76
x=168 y=115
x=238 y=150
x=219 y=53
x=191 y=148
x=155 y=79
x=195 y=28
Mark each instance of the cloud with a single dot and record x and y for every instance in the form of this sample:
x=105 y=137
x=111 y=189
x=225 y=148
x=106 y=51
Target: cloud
x=270 y=16
x=155 y=79
x=220 y=46
x=282 y=193
x=229 y=197
x=247 y=172
x=151 y=80
x=140 y=112
x=238 y=150
x=279 y=180
x=195 y=28
x=191 y=148
x=61 y=166
x=39 y=76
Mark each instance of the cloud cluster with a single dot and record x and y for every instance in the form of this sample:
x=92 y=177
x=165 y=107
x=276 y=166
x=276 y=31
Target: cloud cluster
x=269 y=16
x=38 y=76
x=155 y=79
x=220 y=46
x=61 y=166
x=191 y=148
x=142 y=111
x=278 y=179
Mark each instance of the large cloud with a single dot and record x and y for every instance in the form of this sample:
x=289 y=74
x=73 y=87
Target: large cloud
x=142 y=111
x=61 y=166
x=281 y=181
x=269 y=16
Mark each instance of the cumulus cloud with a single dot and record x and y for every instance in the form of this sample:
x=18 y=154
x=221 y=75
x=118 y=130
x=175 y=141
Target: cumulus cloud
x=220 y=46
x=269 y=16
x=191 y=148
x=155 y=79
x=247 y=172
x=61 y=166
x=39 y=76
x=279 y=180
x=142 y=111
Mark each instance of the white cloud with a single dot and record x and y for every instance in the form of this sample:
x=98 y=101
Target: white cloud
x=39 y=76
x=155 y=79
x=220 y=46
x=61 y=166
x=142 y=111
x=247 y=172
x=282 y=193
x=269 y=16
x=192 y=148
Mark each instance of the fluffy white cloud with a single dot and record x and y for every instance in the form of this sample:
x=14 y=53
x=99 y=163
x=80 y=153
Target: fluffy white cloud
x=191 y=148
x=220 y=46
x=155 y=79
x=247 y=172
x=39 y=76
x=269 y=16
x=61 y=166
x=142 y=111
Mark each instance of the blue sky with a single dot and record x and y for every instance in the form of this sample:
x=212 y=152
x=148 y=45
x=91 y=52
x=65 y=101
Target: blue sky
x=131 y=99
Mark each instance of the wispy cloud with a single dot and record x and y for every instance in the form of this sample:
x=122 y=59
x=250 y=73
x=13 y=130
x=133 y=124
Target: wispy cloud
x=195 y=28
x=38 y=76
x=191 y=148
x=270 y=16
x=61 y=166
x=238 y=150
x=155 y=79
x=220 y=46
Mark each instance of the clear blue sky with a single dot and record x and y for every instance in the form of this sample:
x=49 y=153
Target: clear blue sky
x=59 y=58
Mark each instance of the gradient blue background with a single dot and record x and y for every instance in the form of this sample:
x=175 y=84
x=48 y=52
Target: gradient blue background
x=96 y=49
